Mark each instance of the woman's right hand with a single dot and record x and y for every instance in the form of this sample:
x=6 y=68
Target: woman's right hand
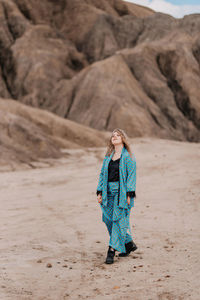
x=99 y=198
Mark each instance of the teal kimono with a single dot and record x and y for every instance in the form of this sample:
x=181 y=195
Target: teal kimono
x=127 y=178
x=115 y=209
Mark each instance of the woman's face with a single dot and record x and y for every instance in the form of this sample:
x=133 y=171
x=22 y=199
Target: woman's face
x=116 y=138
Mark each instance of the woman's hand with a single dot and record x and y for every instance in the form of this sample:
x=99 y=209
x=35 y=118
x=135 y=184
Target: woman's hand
x=99 y=198
x=128 y=200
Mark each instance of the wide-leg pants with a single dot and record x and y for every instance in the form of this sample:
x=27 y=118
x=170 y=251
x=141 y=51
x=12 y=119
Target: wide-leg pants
x=116 y=219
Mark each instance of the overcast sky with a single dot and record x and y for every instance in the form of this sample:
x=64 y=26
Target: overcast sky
x=176 y=8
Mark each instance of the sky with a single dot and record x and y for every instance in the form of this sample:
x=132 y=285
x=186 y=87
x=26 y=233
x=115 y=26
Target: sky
x=176 y=8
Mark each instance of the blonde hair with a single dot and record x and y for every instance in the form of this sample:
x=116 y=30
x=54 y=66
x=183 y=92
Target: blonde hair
x=125 y=141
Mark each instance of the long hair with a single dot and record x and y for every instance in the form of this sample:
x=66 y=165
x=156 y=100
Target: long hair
x=125 y=141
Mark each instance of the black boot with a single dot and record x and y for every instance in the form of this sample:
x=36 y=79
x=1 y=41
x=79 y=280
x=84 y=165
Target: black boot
x=110 y=256
x=130 y=246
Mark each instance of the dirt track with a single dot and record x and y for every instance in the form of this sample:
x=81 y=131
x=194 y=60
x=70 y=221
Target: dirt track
x=51 y=215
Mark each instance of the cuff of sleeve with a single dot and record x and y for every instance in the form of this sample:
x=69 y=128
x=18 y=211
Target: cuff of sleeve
x=99 y=192
x=131 y=194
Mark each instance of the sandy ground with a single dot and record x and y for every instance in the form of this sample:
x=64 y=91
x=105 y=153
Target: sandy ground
x=50 y=215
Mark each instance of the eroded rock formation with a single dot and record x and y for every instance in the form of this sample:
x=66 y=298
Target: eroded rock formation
x=29 y=134
x=103 y=64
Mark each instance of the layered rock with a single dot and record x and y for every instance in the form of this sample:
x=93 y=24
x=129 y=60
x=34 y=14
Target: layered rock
x=29 y=134
x=103 y=64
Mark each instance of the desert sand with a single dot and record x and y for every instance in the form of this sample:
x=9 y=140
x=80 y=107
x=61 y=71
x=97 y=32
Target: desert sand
x=54 y=243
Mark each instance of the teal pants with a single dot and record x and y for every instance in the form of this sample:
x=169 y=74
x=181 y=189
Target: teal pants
x=116 y=219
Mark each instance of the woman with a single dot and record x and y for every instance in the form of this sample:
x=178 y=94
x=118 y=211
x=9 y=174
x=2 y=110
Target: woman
x=116 y=192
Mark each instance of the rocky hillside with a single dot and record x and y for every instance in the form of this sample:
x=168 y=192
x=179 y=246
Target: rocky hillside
x=29 y=136
x=103 y=64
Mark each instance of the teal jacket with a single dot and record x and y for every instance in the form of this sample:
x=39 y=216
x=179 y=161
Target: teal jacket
x=127 y=178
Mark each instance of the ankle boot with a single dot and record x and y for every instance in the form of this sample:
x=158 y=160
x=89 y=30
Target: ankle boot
x=110 y=256
x=130 y=246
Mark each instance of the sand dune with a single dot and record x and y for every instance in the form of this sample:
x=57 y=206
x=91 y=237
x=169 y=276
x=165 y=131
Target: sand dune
x=50 y=217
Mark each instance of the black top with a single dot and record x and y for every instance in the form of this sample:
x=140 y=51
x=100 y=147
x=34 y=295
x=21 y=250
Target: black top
x=113 y=170
x=113 y=175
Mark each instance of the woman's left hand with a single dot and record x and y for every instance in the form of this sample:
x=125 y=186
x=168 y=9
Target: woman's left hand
x=128 y=200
